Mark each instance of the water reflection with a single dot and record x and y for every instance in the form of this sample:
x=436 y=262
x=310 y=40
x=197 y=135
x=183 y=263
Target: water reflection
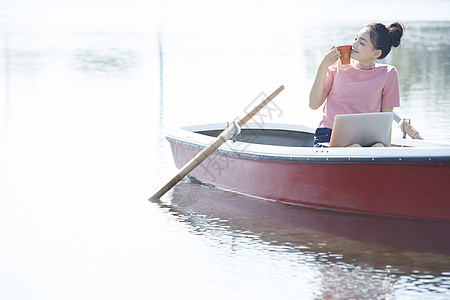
x=7 y=72
x=357 y=255
x=22 y=61
x=161 y=67
x=105 y=60
x=161 y=84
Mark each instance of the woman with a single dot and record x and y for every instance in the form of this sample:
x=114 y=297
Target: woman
x=363 y=86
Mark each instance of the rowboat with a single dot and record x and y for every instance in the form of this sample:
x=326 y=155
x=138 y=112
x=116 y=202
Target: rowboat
x=278 y=162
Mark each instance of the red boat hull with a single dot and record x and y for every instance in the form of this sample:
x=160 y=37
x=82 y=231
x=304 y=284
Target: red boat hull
x=404 y=189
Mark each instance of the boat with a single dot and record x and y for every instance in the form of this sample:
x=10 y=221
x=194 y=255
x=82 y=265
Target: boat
x=274 y=161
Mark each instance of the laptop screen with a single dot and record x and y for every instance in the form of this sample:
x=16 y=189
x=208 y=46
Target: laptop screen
x=365 y=129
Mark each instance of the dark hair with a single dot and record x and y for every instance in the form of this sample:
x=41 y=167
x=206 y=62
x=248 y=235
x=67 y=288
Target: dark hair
x=385 y=37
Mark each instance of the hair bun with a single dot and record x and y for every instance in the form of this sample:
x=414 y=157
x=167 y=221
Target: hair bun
x=396 y=33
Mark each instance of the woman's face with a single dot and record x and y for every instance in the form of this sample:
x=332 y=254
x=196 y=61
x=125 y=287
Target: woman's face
x=362 y=48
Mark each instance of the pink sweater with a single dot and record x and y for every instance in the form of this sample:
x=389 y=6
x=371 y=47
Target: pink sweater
x=358 y=89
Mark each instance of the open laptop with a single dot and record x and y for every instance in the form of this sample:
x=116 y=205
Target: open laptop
x=365 y=129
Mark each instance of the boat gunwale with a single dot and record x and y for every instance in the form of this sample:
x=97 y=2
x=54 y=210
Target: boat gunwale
x=187 y=136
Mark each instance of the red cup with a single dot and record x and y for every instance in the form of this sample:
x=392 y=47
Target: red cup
x=345 y=53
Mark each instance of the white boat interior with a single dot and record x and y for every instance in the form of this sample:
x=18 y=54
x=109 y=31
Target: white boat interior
x=295 y=142
x=272 y=134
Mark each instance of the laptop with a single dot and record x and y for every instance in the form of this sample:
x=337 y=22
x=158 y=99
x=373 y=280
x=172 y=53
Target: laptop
x=365 y=129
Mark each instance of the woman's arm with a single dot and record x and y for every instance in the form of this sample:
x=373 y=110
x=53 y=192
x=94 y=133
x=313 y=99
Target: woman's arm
x=317 y=95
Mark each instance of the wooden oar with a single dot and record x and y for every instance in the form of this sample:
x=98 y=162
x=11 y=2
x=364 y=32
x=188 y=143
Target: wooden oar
x=208 y=150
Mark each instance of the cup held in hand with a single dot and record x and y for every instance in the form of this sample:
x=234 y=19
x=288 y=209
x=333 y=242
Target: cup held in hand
x=345 y=54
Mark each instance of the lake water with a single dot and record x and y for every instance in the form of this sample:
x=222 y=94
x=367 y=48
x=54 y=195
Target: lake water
x=87 y=90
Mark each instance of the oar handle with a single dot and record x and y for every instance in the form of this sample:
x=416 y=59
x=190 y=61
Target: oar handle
x=407 y=128
x=259 y=107
x=208 y=150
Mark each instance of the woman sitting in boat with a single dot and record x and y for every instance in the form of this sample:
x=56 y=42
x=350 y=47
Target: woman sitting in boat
x=362 y=86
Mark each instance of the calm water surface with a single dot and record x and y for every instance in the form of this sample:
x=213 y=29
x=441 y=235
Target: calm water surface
x=87 y=90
